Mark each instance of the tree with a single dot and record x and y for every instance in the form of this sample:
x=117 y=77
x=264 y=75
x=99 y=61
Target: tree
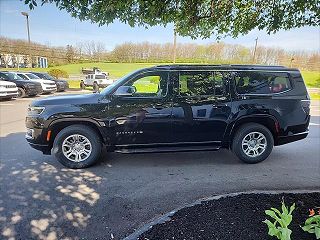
x=197 y=18
x=70 y=53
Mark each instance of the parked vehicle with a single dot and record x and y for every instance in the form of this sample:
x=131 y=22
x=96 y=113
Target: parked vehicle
x=48 y=86
x=97 y=80
x=62 y=85
x=245 y=108
x=25 y=87
x=8 y=90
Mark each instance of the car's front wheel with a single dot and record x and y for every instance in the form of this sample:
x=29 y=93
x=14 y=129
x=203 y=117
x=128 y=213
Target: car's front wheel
x=21 y=92
x=77 y=146
x=252 y=143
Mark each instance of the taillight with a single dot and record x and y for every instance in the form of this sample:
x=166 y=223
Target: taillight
x=305 y=104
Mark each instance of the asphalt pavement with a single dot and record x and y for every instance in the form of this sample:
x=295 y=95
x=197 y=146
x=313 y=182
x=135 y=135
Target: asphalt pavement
x=41 y=199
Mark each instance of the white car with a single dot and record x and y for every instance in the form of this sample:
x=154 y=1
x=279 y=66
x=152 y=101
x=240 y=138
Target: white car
x=8 y=90
x=97 y=80
x=48 y=86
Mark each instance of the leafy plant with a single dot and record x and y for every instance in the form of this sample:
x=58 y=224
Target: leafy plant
x=279 y=228
x=312 y=224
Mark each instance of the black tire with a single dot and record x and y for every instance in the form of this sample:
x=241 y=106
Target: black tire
x=21 y=93
x=82 y=85
x=95 y=87
x=242 y=132
x=85 y=131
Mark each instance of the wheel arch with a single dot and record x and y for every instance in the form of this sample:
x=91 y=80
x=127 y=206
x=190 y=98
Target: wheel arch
x=268 y=121
x=56 y=126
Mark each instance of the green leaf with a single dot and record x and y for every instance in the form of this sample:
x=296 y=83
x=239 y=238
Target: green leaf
x=284 y=208
x=272 y=214
x=309 y=228
x=317 y=232
x=292 y=208
x=285 y=234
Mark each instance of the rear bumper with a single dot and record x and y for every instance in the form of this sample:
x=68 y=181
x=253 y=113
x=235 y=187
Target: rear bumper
x=291 y=138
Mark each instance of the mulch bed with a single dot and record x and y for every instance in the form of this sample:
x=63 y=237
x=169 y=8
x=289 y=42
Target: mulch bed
x=239 y=217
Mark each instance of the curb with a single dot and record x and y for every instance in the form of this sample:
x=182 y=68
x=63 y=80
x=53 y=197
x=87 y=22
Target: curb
x=167 y=216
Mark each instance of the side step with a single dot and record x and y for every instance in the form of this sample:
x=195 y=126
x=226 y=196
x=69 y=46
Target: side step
x=168 y=149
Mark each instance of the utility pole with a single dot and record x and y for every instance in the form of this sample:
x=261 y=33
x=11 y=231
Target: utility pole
x=28 y=30
x=254 y=51
x=291 y=60
x=174 y=45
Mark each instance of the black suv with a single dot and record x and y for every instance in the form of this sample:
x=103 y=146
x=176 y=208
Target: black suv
x=25 y=88
x=62 y=85
x=248 y=109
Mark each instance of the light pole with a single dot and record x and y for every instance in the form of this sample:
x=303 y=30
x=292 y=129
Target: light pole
x=174 y=45
x=28 y=30
x=254 y=51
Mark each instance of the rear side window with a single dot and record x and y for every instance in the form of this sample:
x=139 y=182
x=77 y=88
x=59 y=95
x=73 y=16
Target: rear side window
x=195 y=83
x=262 y=82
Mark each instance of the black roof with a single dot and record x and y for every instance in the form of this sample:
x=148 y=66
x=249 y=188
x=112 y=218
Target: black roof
x=223 y=66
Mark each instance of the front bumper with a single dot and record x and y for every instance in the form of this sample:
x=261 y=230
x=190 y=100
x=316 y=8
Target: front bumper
x=49 y=89
x=62 y=87
x=45 y=149
x=36 y=135
x=8 y=94
x=34 y=91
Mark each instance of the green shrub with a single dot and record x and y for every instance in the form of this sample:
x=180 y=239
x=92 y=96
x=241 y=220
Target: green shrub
x=312 y=224
x=58 y=73
x=281 y=220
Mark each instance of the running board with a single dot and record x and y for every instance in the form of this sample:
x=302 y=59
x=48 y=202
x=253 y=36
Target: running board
x=168 y=149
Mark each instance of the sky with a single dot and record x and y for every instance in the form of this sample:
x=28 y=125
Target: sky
x=54 y=27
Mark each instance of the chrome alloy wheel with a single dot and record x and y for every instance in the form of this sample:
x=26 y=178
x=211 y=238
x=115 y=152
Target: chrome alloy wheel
x=76 y=148
x=254 y=144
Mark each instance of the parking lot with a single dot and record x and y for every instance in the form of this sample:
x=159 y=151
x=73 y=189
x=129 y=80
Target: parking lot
x=41 y=199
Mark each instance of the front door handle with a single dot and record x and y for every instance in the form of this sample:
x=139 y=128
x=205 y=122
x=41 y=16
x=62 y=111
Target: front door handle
x=157 y=106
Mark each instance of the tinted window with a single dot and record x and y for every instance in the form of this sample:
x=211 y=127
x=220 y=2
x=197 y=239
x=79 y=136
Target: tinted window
x=32 y=76
x=23 y=76
x=100 y=77
x=12 y=76
x=262 y=82
x=150 y=85
x=3 y=77
x=201 y=83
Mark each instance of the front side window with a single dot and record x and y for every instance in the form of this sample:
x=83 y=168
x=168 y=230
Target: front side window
x=262 y=82
x=194 y=83
x=32 y=76
x=150 y=84
x=100 y=77
x=23 y=76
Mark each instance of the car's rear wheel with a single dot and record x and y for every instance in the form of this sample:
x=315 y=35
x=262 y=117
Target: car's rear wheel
x=95 y=87
x=82 y=85
x=21 y=92
x=77 y=146
x=252 y=143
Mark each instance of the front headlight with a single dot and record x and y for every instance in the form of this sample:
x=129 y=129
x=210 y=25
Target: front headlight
x=35 y=110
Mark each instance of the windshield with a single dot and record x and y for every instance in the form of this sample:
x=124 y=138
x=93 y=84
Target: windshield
x=12 y=76
x=32 y=76
x=117 y=83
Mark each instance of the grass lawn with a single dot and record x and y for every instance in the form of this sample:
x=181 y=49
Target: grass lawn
x=312 y=79
x=117 y=70
x=314 y=96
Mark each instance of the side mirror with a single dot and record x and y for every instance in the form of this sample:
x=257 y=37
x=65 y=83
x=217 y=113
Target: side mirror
x=125 y=91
